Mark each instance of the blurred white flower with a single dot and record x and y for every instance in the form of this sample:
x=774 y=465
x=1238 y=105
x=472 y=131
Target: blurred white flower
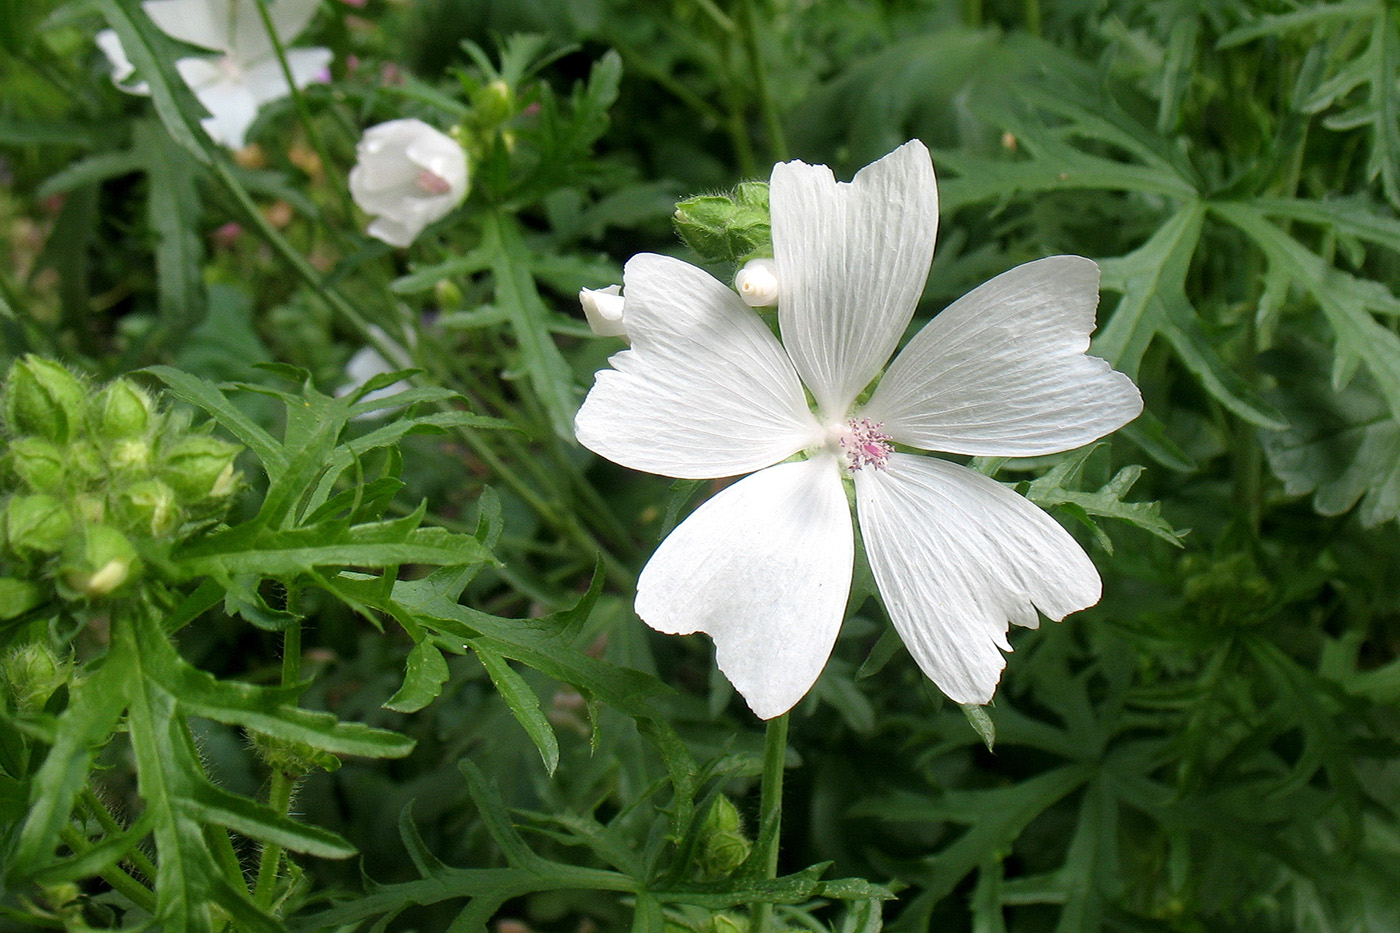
x=603 y=308
x=707 y=391
x=245 y=74
x=408 y=175
x=757 y=283
x=367 y=362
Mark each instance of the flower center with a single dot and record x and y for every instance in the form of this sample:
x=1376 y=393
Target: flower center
x=430 y=182
x=863 y=443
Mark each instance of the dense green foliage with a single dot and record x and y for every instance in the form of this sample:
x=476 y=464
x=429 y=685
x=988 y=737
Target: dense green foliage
x=387 y=675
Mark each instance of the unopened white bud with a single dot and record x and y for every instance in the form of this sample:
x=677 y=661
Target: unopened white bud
x=757 y=283
x=603 y=308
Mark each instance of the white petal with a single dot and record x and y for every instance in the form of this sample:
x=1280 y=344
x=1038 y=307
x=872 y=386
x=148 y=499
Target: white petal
x=603 y=307
x=705 y=391
x=122 y=69
x=289 y=18
x=267 y=83
x=957 y=556
x=232 y=107
x=205 y=23
x=852 y=260
x=764 y=568
x=1003 y=371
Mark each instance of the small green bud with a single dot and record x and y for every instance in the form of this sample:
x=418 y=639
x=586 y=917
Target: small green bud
x=727 y=227
x=37 y=524
x=39 y=463
x=86 y=462
x=448 y=294
x=724 y=847
x=44 y=399
x=132 y=454
x=32 y=673
x=492 y=104
x=289 y=757
x=148 y=507
x=723 y=923
x=98 y=563
x=200 y=467
x=122 y=410
x=90 y=508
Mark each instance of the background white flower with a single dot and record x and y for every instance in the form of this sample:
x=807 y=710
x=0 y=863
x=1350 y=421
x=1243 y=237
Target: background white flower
x=408 y=175
x=245 y=74
x=707 y=391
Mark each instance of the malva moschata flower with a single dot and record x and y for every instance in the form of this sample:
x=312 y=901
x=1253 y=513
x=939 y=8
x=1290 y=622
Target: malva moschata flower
x=407 y=175
x=706 y=391
x=245 y=74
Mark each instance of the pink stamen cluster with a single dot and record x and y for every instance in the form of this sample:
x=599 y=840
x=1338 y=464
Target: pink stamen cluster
x=865 y=444
x=430 y=182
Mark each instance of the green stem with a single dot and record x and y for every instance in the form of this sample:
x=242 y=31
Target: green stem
x=777 y=139
x=279 y=793
x=127 y=886
x=98 y=810
x=770 y=807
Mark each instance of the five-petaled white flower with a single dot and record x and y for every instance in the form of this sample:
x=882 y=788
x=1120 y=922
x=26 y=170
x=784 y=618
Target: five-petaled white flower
x=409 y=175
x=245 y=74
x=707 y=391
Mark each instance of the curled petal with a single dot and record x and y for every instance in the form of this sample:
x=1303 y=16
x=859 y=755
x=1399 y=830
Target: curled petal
x=957 y=556
x=764 y=568
x=852 y=259
x=757 y=283
x=706 y=390
x=603 y=308
x=1003 y=370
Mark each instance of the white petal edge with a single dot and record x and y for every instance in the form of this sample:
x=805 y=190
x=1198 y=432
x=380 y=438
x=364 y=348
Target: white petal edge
x=852 y=259
x=1003 y=370
x=205 y=23
x=764 y=568
x=706 y=390
x=232 y=107
x=956 y=557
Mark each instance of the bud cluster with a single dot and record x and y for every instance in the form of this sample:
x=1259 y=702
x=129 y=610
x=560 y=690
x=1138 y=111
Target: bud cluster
x=86 y=474
x=732 y=227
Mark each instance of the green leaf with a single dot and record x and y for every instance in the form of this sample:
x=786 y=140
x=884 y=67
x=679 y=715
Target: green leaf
x=549 y=374
x=524 y=705
x=207 y=397
x=981 y=723
x=1053 y=489
x=424 y=676
x=173 y=211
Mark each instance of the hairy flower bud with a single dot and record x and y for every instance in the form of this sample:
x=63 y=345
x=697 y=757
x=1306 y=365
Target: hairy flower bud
x=44 y=399
x=724 y=847
x=408 y=175
x=38 y=463
x=289 y=757
x=32 y=673
x=199 y=467
x=726 y=227
x=122 y=410
x=37 y=524
x=99 y=562
x=149 y=507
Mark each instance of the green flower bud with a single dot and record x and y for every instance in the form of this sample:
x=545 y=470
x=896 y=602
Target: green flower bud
x=724 y=847
x=149 y=508
x=200 y=467
x=122 y=410
x=727 y=227
x=37 y=524
x=38 y=463
x=44 y=399
x=291 y=758
x=133 y=455
x=32 y=673
x=448 y=294
x=492 y=104
x=89 y=508
x=98 y=563
x=85 y=461
x=723 y=923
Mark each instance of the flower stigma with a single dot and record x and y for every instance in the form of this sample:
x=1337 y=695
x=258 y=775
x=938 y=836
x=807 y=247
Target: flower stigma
x=862 y=443
x=431 y=183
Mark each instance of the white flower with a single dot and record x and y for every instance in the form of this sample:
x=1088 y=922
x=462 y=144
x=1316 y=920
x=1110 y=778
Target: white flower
x=245 y=74
x=603 y=308
x=757 y=283
x=706 y=391
x=367 y=362
x=409 y=175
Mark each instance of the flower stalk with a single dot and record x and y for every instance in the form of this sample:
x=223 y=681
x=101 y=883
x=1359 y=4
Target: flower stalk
x=770 y=808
